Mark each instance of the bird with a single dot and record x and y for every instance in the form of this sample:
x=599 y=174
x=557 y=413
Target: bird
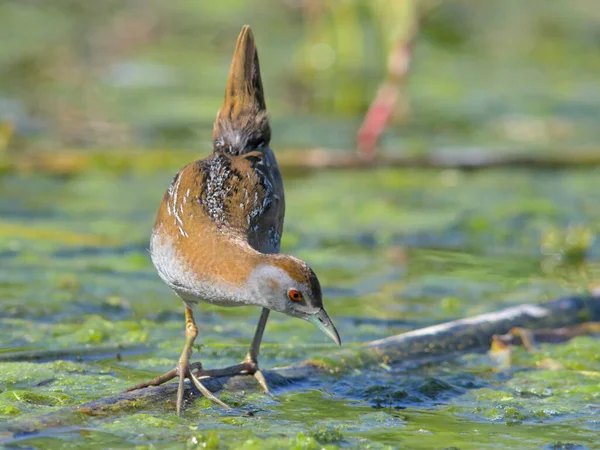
x=217 y=234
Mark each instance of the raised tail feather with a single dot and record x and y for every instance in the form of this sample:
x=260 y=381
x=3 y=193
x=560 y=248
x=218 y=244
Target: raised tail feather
x=242 y=124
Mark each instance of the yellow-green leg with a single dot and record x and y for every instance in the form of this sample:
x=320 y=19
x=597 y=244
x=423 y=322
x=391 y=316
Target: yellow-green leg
x=183 y=367
x=249 y=365
x=252 y=356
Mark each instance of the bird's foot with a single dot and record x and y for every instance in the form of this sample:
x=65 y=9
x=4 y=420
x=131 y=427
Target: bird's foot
x=252 y=369
x=247 y=367
x=162 y=379
x=183 y=370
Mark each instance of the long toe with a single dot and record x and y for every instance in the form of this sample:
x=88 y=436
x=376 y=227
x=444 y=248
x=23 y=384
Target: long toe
x=252 y=369
x=180 y=392
x=185 y=370
x=155 y=381
x=209 y=395
x=247 y=367
x=261 y=380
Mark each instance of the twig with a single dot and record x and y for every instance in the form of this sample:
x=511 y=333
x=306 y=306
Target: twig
x=71 y=162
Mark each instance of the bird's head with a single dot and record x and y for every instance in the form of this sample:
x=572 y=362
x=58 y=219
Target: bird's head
x=288 y=285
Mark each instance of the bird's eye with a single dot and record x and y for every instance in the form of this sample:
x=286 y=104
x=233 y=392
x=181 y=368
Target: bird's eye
x=295 y=295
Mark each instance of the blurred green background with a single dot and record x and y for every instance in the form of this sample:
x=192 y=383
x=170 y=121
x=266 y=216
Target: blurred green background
x=150 y=73
x=101 y=101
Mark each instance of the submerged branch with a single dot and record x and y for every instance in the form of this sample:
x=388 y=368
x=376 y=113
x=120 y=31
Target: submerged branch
x=76 y=353
x=439 y=341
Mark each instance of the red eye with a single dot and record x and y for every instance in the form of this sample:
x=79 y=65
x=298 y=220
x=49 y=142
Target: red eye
x=295 y=295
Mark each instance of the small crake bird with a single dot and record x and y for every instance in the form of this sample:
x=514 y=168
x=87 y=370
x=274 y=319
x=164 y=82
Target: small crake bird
x=218 y=230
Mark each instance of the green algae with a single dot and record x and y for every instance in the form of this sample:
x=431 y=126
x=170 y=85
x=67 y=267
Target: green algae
x=392 y=269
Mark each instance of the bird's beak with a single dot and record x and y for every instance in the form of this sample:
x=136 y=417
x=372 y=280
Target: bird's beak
x=324 y=323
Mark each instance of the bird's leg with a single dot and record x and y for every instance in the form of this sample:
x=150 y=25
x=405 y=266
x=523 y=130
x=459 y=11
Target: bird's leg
x=252 y=357
x=183 y=368
x=249 y=365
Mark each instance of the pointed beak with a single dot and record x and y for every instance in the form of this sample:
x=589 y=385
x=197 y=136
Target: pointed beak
x=324 y=323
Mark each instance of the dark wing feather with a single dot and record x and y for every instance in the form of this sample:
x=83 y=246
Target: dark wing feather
x=244 y=194
x=266 y=234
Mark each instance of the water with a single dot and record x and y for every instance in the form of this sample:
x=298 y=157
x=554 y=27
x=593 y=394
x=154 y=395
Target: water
x=395 y=250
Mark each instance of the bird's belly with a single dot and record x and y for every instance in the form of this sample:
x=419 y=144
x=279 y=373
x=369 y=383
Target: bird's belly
x=186 y=284
x=210 y=294
x=193 y=290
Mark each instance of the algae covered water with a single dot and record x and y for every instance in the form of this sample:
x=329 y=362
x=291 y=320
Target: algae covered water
x=84 y=315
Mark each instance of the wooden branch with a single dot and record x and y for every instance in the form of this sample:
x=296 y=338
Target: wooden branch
x=438 y=341
x=71 y=162
x=476 y=333
x=467 y=159
x=76 y=353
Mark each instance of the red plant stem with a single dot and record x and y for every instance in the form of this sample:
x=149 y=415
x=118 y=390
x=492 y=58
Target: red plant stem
x=388 y=96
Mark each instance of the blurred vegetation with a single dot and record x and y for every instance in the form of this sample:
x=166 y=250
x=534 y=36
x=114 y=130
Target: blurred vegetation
x=151 y=73
x=132 y=88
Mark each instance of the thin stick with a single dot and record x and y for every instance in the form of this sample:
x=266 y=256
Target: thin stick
x=69 y=162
